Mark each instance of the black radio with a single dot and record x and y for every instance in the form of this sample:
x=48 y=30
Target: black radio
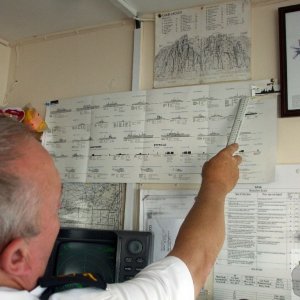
x=117 y=255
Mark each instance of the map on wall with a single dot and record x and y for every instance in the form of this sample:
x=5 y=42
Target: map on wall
x=92 y=205
x=203 y=44
x=160 y=135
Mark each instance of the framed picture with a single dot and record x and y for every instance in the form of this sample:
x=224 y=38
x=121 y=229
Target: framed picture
x=289 y=43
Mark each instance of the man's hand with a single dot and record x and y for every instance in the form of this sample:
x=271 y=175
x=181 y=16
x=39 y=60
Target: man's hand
x=223 y=169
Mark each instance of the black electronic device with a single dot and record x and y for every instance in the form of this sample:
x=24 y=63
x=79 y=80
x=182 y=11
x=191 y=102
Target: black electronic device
x=117 y=255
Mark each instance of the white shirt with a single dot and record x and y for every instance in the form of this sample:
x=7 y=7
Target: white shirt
x=168 y=279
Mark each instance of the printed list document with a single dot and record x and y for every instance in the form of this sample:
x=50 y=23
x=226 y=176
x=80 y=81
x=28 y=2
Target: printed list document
x=262 y=244
x=262 y=239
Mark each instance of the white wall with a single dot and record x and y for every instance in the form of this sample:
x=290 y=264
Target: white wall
x=89 y=63
x=265 y=64
x=4 y=70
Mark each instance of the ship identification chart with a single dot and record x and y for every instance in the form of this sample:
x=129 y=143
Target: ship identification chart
x=203 y=44
x=162 y=135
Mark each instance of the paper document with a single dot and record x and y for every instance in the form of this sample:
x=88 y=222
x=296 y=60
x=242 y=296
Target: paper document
x=262 y=233
x=162 y=213
x=209 y=43
x=164 y=231
x=163 y=135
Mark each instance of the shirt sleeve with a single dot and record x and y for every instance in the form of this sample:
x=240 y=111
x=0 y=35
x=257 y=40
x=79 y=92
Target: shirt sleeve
x=167 y=279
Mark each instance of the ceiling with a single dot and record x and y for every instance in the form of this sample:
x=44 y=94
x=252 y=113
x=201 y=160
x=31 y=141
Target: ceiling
x=26 y=19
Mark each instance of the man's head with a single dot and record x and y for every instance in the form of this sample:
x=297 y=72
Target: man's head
x=30 y=191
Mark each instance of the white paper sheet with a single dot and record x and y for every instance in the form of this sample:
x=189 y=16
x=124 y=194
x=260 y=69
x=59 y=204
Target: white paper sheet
x=204 y=44
x=162 y=213
x=262 y=233
x=162 y=135
x=164 y=231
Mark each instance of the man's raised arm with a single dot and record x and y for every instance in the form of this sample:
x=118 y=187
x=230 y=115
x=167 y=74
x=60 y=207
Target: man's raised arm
x=202 y=233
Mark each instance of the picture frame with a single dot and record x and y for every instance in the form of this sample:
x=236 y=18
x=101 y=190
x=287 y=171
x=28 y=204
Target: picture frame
x=289 y=46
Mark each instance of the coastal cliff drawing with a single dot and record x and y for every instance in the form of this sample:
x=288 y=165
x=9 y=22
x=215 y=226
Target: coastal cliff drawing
x=203 y=56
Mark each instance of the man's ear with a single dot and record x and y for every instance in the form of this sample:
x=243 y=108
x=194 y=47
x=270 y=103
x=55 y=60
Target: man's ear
x=14 y=258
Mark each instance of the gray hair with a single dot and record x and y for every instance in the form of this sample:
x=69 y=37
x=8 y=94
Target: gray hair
x=18 y=197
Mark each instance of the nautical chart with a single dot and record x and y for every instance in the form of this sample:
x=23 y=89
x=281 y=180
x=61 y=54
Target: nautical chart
x=160 y=135
x=93 y=205
x=203 y=44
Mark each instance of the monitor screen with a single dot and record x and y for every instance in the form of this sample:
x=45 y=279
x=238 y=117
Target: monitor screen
x=80 y=257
